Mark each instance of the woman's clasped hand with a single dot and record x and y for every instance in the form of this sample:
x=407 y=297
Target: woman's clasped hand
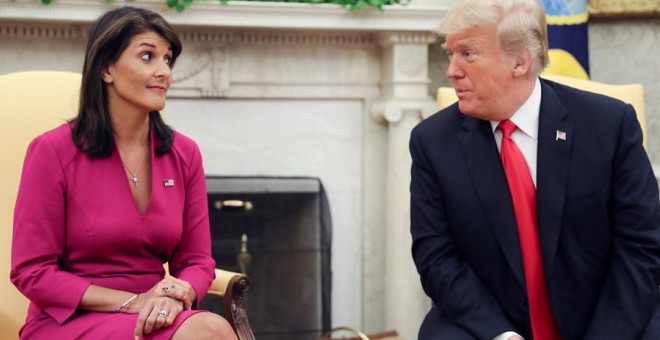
x=158 y=307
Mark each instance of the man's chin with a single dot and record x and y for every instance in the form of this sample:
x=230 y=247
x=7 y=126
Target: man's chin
x=471 y=111
x=466 y=109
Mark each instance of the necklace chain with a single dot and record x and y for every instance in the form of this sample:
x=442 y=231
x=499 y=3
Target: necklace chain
x=133 y=175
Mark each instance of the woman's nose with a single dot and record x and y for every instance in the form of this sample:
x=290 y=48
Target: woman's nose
x=164 y=70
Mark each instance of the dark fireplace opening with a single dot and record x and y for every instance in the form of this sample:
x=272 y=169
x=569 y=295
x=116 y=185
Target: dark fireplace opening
x=277 y=230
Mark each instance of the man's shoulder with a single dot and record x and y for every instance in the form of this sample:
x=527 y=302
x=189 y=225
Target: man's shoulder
x=447 y=119
x=571 y=95
x=597 y=116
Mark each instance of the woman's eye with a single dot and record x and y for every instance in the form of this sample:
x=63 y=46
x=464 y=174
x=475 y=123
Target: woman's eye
x=168 y=60
x=146 y=56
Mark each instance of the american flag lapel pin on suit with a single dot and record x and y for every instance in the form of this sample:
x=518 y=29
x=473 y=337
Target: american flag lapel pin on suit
x=560 y=135
x=169 y=182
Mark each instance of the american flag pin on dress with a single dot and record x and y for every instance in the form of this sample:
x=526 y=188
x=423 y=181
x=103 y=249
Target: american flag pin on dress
x=561 y=135
x=169 y=182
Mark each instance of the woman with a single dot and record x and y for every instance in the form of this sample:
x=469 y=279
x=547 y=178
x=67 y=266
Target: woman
x=109 y=197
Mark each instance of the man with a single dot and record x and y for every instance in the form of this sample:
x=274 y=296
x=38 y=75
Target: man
x=557 y=237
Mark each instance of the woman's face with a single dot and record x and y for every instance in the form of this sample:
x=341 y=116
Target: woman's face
x=138 y=81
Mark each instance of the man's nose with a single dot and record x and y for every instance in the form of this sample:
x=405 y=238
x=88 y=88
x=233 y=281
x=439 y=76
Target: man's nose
x=453 y=70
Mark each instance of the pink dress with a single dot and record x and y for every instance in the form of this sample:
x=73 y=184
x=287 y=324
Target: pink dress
x=76 y=223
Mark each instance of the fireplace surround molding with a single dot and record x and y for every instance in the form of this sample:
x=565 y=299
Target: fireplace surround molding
x=290 y=51
x=238 y=14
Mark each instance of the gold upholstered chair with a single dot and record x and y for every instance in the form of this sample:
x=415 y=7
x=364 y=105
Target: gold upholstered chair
x=629 y=93
x=30 y=104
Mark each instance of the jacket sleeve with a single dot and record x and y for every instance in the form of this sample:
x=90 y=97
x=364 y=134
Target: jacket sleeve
x=191 y=261
x=629 y=294
x=450 y=282
x=39 y=235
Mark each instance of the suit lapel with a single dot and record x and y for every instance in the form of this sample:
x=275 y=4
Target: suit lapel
x=554 y=146
x=485 y=168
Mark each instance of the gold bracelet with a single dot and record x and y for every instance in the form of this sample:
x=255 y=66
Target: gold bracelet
x=125 y=304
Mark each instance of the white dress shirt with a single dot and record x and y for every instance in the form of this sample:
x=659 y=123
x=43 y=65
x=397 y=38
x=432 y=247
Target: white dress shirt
x=526 y=135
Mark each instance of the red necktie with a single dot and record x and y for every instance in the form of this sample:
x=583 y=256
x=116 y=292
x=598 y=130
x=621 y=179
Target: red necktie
x=523 y=196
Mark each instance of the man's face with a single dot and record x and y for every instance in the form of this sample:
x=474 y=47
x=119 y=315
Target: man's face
x=482 y=75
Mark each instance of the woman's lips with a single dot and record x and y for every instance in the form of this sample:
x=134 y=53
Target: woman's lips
x=159 y=89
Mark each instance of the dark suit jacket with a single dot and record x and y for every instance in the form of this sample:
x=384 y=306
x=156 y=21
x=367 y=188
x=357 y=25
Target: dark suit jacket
x=598 y=220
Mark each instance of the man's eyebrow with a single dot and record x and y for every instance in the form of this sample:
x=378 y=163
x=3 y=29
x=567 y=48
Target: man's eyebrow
x=467 y=44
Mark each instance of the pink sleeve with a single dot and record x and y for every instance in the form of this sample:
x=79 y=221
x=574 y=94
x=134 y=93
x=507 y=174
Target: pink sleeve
x=39 y=235
x=191 y=260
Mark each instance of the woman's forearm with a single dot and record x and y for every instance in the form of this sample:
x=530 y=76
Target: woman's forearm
x=100 y=299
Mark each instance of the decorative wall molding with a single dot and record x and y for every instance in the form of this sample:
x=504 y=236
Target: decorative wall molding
x=206 y=77
x=392 y=111
x=410 y=63
x=241 y=14
x=389 y=38
x=30 y=30
x=41 y=31
x=269 y=37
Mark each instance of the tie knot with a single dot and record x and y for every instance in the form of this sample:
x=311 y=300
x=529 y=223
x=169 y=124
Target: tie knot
x=507 y=127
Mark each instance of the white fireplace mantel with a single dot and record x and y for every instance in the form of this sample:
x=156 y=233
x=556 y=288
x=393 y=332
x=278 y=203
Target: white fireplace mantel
x=298 y=62
x=241 y=14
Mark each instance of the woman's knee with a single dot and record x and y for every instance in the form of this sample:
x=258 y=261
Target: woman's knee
x=206 y=326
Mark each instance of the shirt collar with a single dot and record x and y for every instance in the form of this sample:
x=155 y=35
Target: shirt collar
x=527 y=116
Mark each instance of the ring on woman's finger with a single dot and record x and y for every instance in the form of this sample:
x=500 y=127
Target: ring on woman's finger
x=163 y=313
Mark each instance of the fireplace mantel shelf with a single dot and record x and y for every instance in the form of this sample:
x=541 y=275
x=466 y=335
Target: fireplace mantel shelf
x=240 y=14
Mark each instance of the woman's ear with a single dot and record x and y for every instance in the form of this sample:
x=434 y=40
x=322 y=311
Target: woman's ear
x=106 y=75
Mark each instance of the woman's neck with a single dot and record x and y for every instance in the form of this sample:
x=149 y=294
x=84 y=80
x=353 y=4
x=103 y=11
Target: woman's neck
x=131 y=133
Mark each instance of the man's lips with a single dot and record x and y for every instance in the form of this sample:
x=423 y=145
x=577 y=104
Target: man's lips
x=460 y=93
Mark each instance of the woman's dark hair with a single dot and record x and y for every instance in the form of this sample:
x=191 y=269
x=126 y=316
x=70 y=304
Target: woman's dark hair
x=108 y=38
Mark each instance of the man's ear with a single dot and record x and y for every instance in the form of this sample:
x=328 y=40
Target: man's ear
x=106 y=75
x=523 y=62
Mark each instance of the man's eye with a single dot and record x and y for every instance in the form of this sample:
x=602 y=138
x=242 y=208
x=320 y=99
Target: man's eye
x=470 y=55
x=146 y=56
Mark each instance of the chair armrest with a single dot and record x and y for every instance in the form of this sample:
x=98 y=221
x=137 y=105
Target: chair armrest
x=222 y=281
x=232 y=287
